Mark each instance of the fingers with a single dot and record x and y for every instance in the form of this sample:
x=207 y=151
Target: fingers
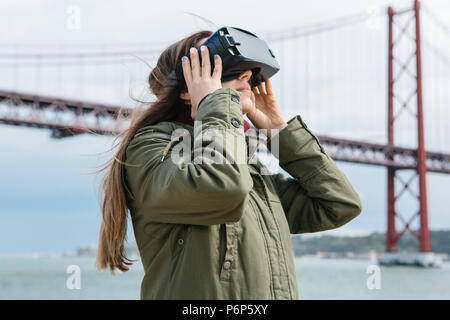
x=193 y=70
x=186 y=70
x=269 y=87
x=217 y=73
x=206 y=65
x=195 y=63
x=262 y=88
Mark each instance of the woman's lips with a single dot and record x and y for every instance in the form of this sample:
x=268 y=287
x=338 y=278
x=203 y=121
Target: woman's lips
x=243 y=90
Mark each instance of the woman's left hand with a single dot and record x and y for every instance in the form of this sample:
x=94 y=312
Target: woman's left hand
x=267 y=113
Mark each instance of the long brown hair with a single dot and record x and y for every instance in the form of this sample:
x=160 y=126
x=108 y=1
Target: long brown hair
x=111 y=253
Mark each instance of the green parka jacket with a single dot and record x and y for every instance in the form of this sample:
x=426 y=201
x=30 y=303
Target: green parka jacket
x=222 y=230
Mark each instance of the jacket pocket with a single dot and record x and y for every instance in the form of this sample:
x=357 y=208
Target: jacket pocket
x=159 y=231
x=178 y=237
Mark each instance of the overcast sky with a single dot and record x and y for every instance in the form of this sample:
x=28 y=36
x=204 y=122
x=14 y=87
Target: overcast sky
x=48 y=195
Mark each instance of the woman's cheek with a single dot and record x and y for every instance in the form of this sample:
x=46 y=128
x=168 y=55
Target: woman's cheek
x=252 y=97
x=250 y=100
x=248 y=104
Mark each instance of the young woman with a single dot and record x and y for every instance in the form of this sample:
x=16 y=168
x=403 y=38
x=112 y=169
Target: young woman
x=216 y=230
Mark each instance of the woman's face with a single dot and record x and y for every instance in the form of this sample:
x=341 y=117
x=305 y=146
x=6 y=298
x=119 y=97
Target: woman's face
x=241 y=84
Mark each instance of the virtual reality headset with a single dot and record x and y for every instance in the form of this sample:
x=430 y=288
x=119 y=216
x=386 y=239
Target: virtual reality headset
x=240 y=51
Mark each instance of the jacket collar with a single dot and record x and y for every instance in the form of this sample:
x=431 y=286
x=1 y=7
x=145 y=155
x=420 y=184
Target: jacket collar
x=184 y=116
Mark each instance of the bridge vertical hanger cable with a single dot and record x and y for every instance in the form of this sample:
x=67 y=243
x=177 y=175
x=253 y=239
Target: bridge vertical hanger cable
x=105 y=78
x=444 y=104
x=323 y=49
x=444 y=27
x=297 y=104
x=319 y=71
x=350 y=93
x=305 y=71
x=364 y=62
x=381 y=88
x=355 y=74
x=282 y=75
x=441 y=71
x=338 y=61
x=328 y=74
x=122 y=82
x=59 y=80
x=287 y=77
x=433 y=97
x=369 y=103
x=413 y=124
x=440 y=106
x=15 y=71
x=292 y=78
x=38 y=77
x=330 y=69
x=81 y=78
x=115 y=82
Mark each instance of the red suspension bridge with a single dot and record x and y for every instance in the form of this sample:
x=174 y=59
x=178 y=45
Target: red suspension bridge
x=359 y=78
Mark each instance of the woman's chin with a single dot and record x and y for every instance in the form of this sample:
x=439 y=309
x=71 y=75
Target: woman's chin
x=247 y=105
x=247 y=108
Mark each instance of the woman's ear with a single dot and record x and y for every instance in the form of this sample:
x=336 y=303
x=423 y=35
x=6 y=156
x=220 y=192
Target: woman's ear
x=184 y=95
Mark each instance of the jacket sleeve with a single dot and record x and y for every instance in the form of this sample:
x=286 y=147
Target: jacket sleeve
x=194 y=190
x=318 y=196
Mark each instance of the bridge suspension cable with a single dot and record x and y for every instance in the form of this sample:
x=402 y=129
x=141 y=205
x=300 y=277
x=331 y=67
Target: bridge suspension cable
x=437 y=21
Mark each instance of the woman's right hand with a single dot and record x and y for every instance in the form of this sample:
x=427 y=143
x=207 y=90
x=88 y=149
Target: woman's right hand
x=198 y=77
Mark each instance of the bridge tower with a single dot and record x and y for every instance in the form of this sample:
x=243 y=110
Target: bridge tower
x=392 y=235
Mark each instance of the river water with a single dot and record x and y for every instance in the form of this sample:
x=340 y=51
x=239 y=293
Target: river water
x=45 y=277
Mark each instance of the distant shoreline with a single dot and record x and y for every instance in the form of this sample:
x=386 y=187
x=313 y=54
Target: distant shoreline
x=321 y=246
